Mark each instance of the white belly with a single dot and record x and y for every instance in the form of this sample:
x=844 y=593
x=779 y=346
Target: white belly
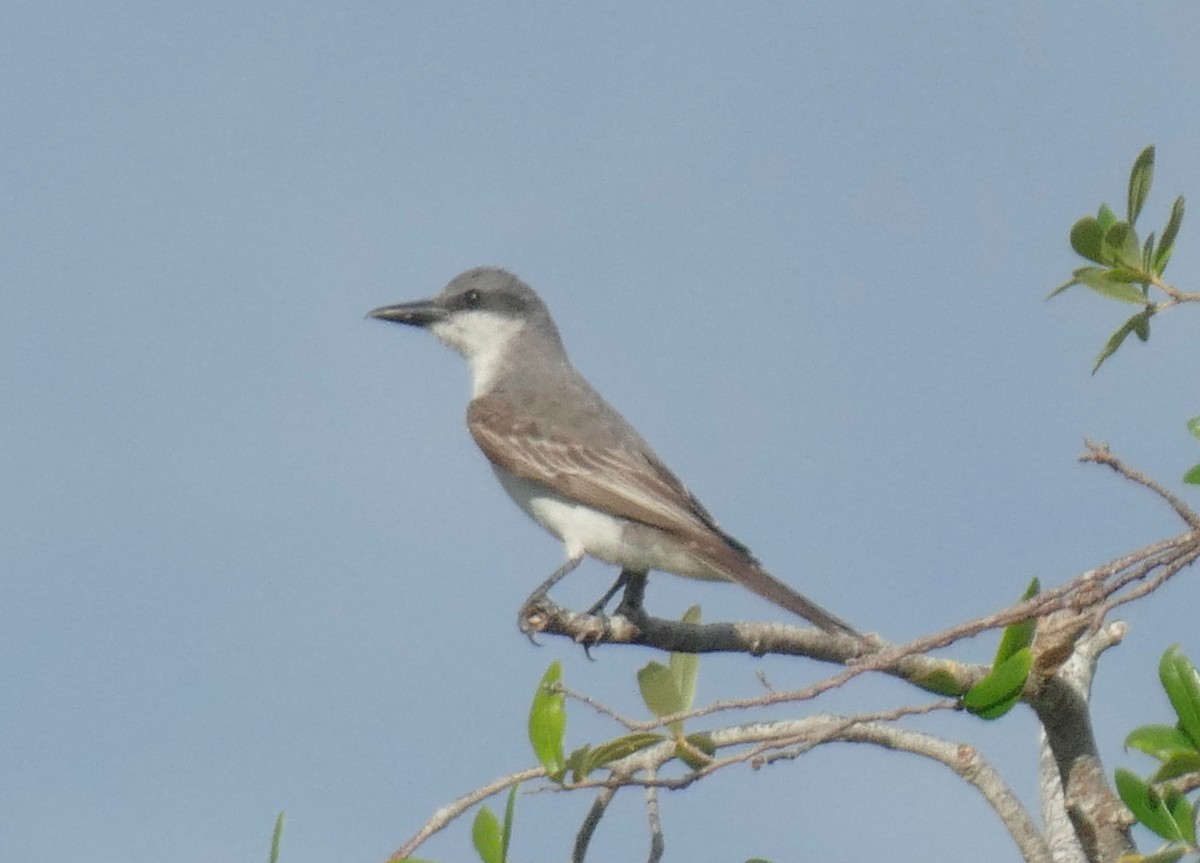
x=584 y=530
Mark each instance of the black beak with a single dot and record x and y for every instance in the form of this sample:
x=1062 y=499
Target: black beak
x=420 y=313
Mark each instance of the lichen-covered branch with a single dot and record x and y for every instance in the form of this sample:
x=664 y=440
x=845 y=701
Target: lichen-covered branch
x=1082 y=790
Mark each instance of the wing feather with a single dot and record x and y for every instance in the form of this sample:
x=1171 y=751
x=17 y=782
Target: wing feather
x=620 y=481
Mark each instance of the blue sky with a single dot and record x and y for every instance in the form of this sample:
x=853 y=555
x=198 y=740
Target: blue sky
x=250 y=559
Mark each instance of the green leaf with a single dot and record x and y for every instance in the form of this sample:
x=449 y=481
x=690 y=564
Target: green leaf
x=1192 y=477
x=509 y=807
x=686 y=666
x=1181 y=812
x=703 y=741
x=1182 y=686
x=939 y=682
x=700 y=742
x=1019 y=634
x=1068 y=283
x=486 y=836
x=608 y=752
x=1148 y=254
x=577 y=762
x=1110 y=347
x=1128 y=276
x=1167 y=854
x=1140 y=179
x=1106 y=217
x=276 y=838
x=1167 y=244
x=1087 y=238
x=548 y=722
x=660 y=692
x=1146 y=805
x=1178 y=765
x=1160 y=741
x=1194 y=427
x=1099 y=280
x=1122 y=246
x=997 y=693
x=1139 y=323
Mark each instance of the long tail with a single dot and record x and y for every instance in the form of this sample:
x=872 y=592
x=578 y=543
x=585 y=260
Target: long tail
x=740 y=567
x=769 y=587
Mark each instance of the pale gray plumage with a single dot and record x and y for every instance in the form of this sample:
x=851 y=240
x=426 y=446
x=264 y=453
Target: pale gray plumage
x=566 y=456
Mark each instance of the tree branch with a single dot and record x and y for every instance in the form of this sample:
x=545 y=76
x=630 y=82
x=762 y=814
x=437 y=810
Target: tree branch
x=1081 y=792
x=588 y=828
x=1098 y=453
x=1177 y=296
x=448 y=813
x=768 y=742
x=1084 y=819
x=965 y=761
x=657 y=843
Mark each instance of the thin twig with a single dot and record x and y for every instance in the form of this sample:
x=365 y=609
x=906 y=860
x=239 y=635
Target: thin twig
x=758 y=737
x=764 y=680
x=970 y=765
x=1100 y=454
x=602 y=709
x=1150 y=585
x=448 y=813
x=657 y=843
x=1177 y=296
x=821 y=729
x=881 y=716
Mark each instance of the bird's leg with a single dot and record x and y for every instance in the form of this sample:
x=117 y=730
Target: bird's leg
x=598 y=606
x=530 y=608
x=631 y=601
x=555 y=577
x=635 y=591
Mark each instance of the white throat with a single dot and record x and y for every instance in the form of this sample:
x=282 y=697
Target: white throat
x=483 y=339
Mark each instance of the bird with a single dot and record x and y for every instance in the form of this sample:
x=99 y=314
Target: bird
x=568 y=458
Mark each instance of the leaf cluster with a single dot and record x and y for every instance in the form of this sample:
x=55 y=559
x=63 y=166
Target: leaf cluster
x=1001 y=689
x=1156 y=802
x=666 y=689
x=1123 y=267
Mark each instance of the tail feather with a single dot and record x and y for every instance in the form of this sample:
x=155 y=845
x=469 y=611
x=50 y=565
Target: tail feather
x=769 y=587
x=746 y=571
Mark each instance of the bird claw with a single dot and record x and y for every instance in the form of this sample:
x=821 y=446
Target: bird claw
x=532 y=617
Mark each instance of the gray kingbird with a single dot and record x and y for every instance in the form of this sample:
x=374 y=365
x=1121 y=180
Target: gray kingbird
x=568 y=459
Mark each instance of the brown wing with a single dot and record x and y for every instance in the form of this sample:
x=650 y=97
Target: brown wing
x=618 y=481
x=631 y=484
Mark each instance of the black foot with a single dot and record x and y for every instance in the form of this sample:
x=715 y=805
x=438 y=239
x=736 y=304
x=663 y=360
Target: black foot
x=635 y=592
x=597 y=607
